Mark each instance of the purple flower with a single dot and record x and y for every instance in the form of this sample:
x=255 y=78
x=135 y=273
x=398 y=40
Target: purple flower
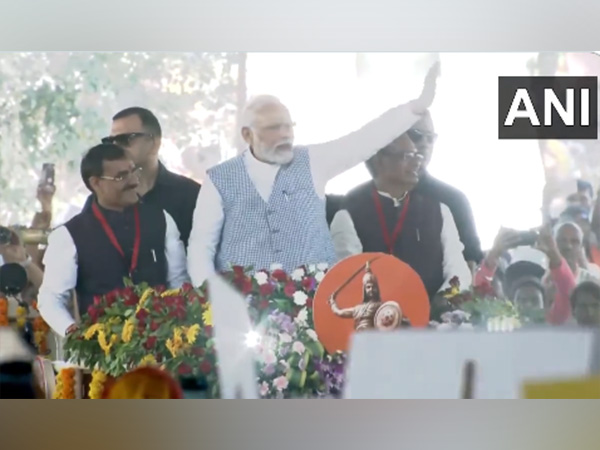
x=269 y=370
x=284 y=350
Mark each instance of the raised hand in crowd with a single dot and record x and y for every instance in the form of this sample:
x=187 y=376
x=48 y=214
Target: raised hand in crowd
x=505 y=240
x=547 y=244
x=15 y=252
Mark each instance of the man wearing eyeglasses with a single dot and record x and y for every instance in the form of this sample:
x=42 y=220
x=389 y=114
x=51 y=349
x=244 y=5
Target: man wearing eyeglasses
x=423 y=135
x=138 y=131
x=386 y=215
x=267 y=205
x=117 y=237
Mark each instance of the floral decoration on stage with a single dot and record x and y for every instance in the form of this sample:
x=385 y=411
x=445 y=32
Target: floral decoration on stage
x=292 y=363
x=479 y=307
x=138 y=325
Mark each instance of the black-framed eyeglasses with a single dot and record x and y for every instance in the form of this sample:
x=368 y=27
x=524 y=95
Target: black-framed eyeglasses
x=122 y=176
x=418 y=136
x=403 y=156
x=125 y=139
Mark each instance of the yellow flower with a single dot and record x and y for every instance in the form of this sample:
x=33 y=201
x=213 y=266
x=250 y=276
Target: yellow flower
x=148 y=360
x=207 y=317
x=21 y=316
x=175 y=344
x=114 y=321
x=104 y=345
x=97 y=384
x=170 y=292
x=145 y=296
x=191 y=333
x=91 y=331
x=128 y=330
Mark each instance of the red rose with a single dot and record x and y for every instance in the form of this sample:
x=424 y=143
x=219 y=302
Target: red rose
x=238 y=271
x=266 y=289
x=111 y=298
x=289 y=289
x=198 y=351
x=184 y=369
x=129 y=297
x=201 y=299
x=264 y=304
x=154 y=326
x=141 y=315
x=169 y=301
x=93 y=313
x=208 y=330
x=246 y=286
x=309 y=303
x=150 y=343
x=308 y=283
x=97 y=300
x=157 y=307
x=187 y=288
x=160 y=289
x=205 y=367
x=279 y=275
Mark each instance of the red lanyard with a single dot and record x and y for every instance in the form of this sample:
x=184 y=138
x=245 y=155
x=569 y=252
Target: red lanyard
x=111 y=235
x=390 y=241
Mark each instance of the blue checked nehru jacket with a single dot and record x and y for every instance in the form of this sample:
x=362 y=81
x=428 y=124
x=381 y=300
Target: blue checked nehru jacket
x=290 y=229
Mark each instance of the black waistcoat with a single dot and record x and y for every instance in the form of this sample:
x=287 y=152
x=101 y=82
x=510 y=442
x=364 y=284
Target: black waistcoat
x=419 y=244
x=101 y=268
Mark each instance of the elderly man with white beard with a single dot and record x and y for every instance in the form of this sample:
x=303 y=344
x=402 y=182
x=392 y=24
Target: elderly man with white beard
x=267 y=205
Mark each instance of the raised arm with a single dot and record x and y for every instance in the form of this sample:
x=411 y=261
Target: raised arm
x=333 y=158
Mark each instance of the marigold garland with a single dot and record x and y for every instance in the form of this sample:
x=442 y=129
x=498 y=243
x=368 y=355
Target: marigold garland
x=128 y=330
x=21 y=316
x=97 y=384
x=40 y=335
x=148 y=360
x=3 y=312
x=65 y=385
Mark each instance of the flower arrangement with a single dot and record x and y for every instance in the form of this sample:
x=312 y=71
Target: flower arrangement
x=3 y=312
x=138 y=325
x=65 y=384
x=292 y=363
x=480 y=307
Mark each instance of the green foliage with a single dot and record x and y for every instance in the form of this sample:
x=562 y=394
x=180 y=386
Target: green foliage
x=54 y=106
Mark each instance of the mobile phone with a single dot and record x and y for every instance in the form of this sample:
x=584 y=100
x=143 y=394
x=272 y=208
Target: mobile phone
x=528 y=238
x=48 y=172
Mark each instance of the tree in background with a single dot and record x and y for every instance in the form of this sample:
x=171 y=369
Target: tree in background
x=54 y=106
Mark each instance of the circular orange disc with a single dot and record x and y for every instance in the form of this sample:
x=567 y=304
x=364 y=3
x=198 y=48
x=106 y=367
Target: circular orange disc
x=397 y=281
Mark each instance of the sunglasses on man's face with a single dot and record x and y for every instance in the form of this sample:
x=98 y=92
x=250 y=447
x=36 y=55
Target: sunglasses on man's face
x=419 y=136
x=125 y=139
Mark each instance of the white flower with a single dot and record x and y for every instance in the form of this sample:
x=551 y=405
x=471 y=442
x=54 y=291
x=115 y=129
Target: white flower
x=312 y=334
x=466 y=326
x=298 y=274
x=280 y=383
x=284 y=364
x=319 y=276
x=445 y=327
x=302 y=316
x=261 y=278
x=323 y=266
x=264 y=388
x=275 y=267
x=298 y=347
x=285 y=338
x=270 y=357
x=300 y=298
x=312 y=268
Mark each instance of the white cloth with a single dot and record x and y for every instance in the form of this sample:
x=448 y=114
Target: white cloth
x=327 y=160
x=60 y=274
x=347 y=243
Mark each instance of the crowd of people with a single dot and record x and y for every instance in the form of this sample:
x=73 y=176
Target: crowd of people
x=268 y=206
